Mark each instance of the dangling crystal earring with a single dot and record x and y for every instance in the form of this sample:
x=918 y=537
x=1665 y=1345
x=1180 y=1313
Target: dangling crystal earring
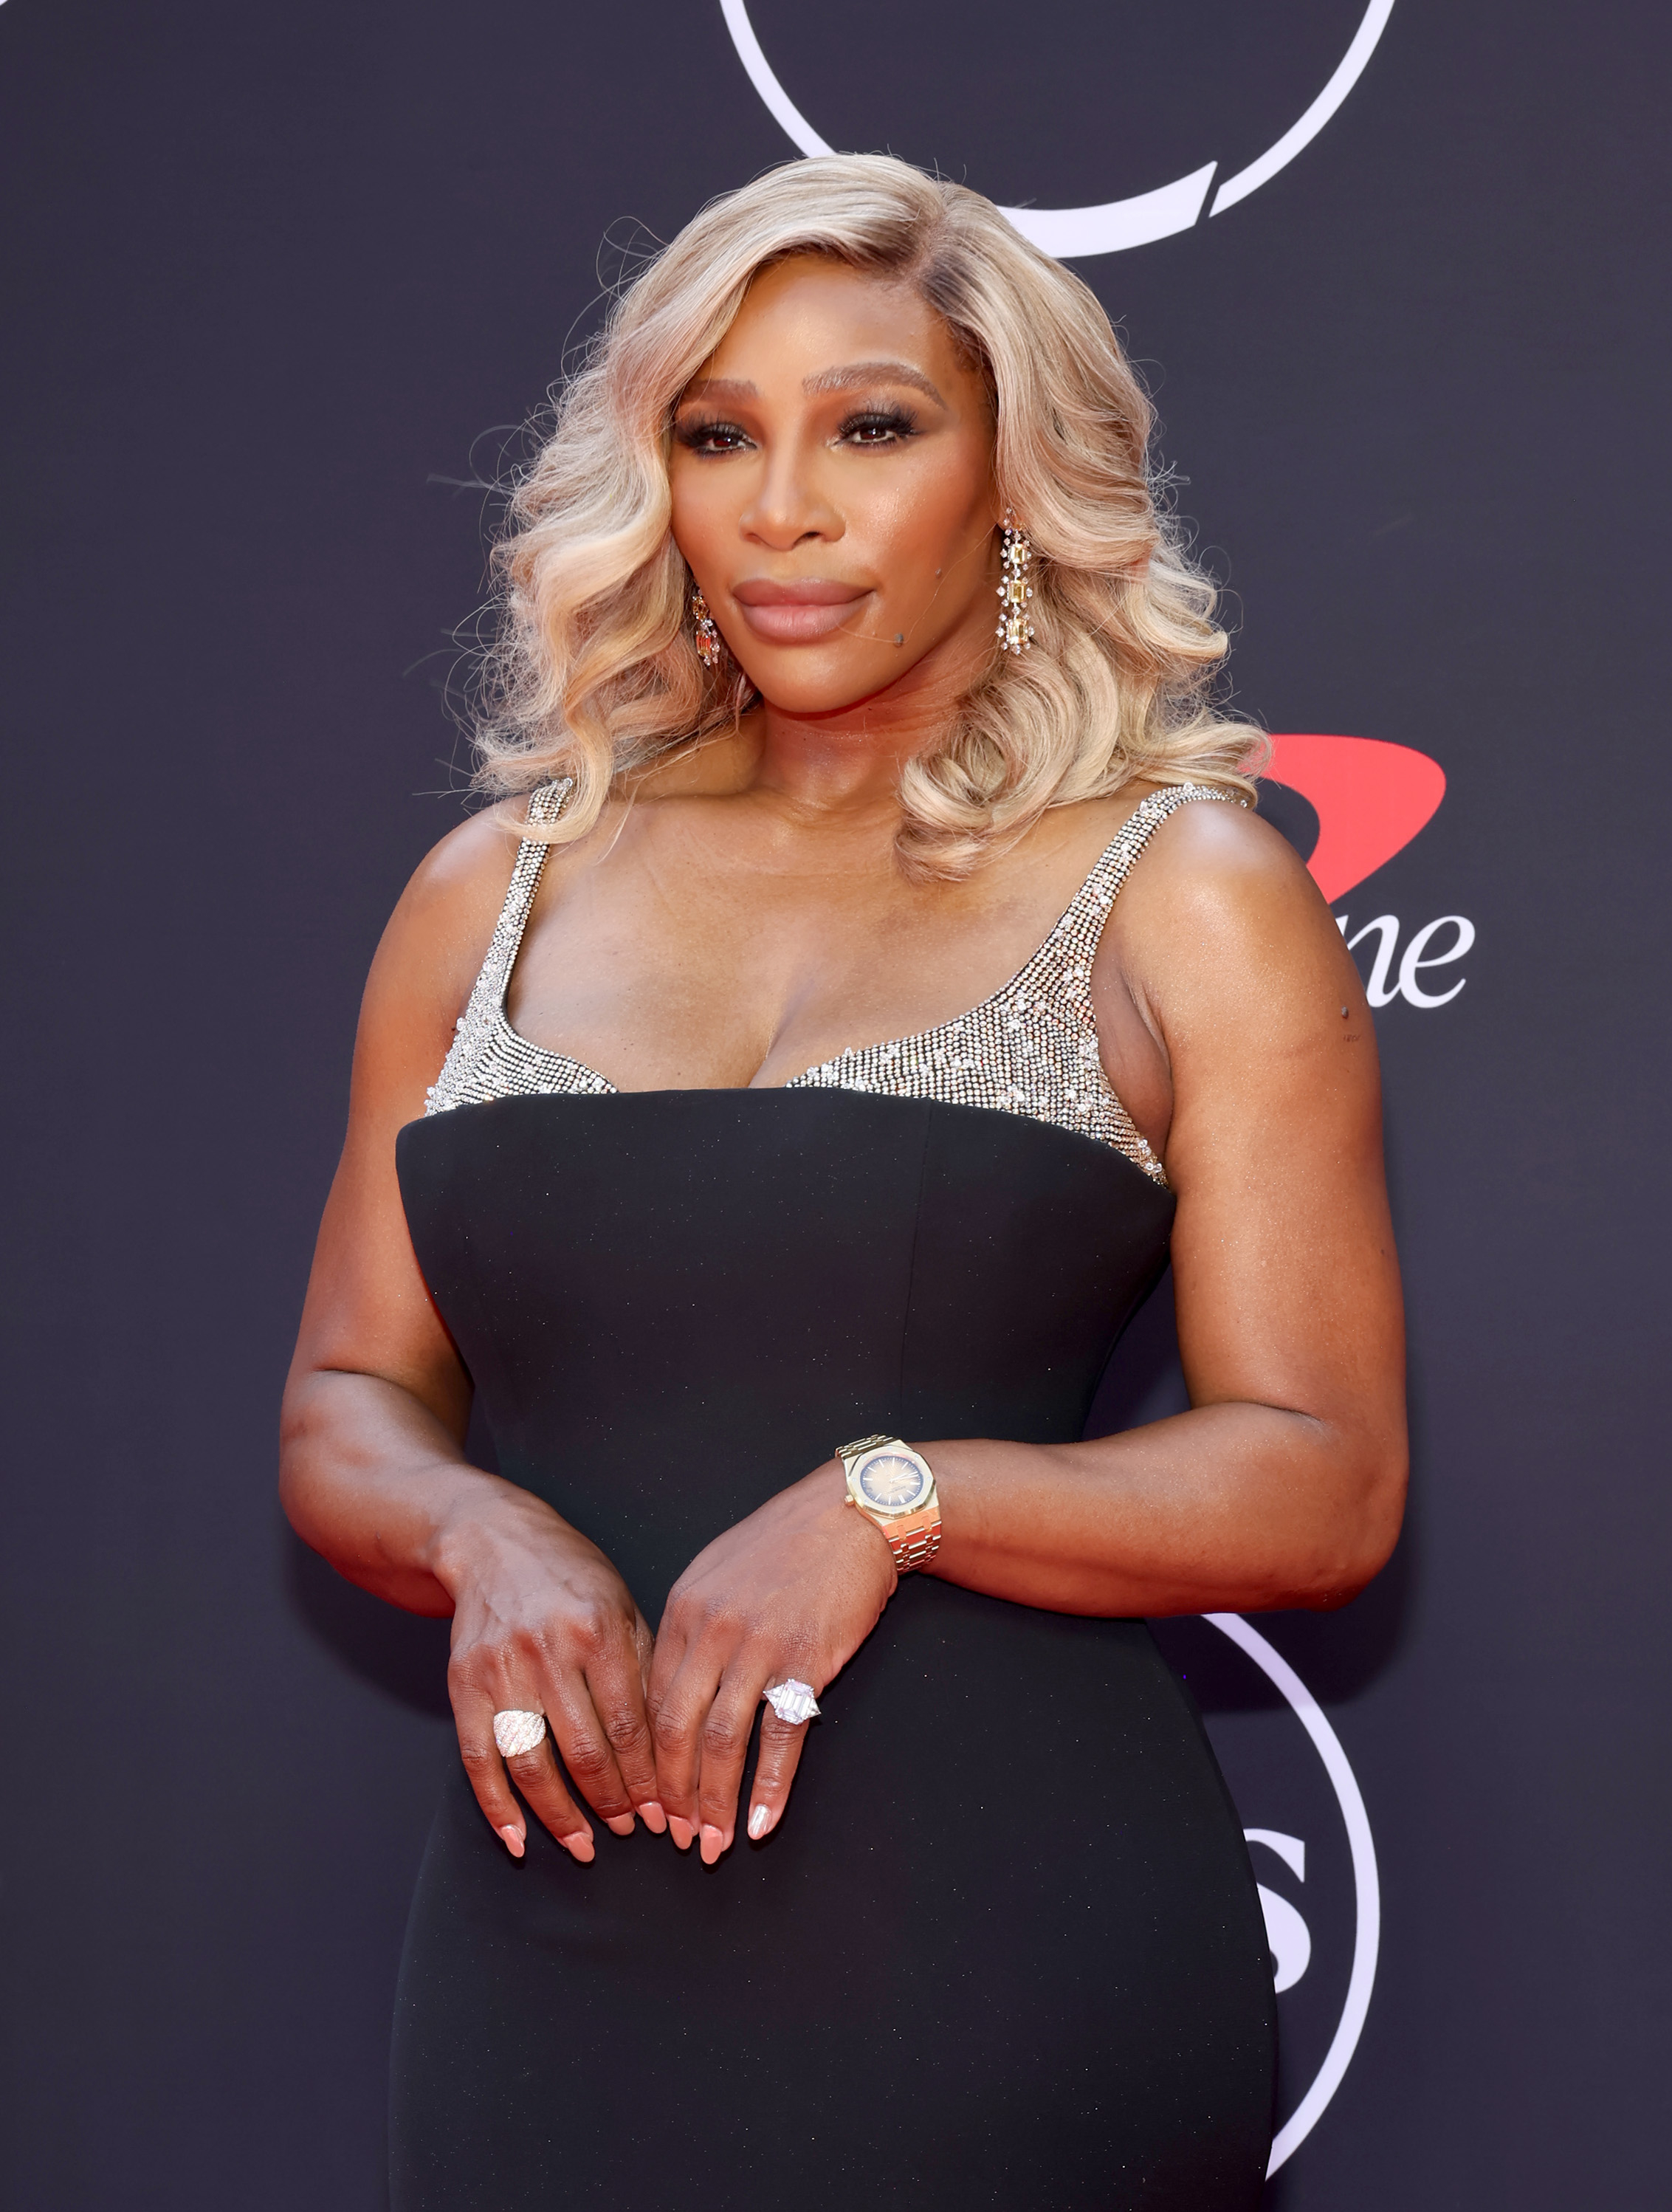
x=1015 y=631
x=710 y=645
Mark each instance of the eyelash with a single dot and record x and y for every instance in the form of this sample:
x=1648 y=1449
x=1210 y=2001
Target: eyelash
x=896 y=423
x=696 y=435
x=899 y=422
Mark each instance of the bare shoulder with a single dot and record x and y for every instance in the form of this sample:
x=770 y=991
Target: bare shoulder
x=429 y=955
x=438 y=935
x=1221 y=903
x=1208 y=852
x=464 y=875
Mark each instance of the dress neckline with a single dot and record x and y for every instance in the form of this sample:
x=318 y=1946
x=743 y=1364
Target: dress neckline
x=888 y=1046
x=1030 y=1047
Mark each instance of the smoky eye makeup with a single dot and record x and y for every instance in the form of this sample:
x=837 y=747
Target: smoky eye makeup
x=882 y=425
x=877 y=423
x=709 y=434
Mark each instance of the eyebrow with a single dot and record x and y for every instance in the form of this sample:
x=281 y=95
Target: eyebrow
x=856 y=375
x=718 y=387
x=870 y=372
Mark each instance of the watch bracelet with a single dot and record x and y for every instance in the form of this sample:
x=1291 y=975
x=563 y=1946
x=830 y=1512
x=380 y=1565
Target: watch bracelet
x=845 y=1452
x=915 y=1551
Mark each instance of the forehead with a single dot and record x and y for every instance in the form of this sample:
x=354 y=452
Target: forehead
x=807 y=314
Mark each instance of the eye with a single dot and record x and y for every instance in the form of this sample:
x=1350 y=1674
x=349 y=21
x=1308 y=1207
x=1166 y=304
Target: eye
x=700 y=434
x=878 y=426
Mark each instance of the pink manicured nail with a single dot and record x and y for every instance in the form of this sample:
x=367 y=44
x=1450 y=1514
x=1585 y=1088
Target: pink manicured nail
x=714 y=1843
x=759 y=1821
x=578 y=1847
x=654 y=1817
x=620 y=1825
x=512 y=1837
x=681 y=1831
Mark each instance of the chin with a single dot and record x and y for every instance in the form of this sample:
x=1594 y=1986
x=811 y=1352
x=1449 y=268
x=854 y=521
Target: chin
x=794 y=687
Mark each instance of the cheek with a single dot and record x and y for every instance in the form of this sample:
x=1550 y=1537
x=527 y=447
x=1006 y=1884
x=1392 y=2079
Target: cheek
x=927 y=519
x=924 y=540
x=700 y=513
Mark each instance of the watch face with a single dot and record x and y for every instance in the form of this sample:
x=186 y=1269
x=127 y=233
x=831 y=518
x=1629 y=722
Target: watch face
x=892 y=1482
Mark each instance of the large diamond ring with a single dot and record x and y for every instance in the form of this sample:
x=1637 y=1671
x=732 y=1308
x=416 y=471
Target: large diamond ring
x=517 y=1732
x=793 y=1702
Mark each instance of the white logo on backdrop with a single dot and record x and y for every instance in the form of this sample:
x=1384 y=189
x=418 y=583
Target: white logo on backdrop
x=1069 y=233
x=1408 y=983
x=1287 y=1933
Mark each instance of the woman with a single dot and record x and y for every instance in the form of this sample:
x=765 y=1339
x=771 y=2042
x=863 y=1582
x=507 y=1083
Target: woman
x=810 y=1087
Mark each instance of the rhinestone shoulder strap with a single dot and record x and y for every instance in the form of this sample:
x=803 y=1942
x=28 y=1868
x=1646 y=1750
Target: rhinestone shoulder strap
x=1032 y=1047
x=1073 y=943
x=482 y=1035
x=544 y=805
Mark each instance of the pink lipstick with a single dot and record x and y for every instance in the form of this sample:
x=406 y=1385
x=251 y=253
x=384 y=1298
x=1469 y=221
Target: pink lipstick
x=797 y=613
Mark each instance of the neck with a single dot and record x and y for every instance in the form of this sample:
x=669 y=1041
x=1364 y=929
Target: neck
x=848 y=761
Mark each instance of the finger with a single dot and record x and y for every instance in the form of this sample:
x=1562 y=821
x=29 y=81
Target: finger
x=667 y=1655
x=592 y=1697
x=616 y=1685
x=584 y=1743
x=649 y=1807
x=473 y=1715
x=536 y=1774
x=677 y=1715
x=727 y=1728
x=775 y=1763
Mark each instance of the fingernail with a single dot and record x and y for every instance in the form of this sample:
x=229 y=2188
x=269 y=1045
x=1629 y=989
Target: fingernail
x=620 y=1824
x=580 y=1848
x=513 y=1841
x=712 y=1844
x=759 y=1821
x=654 y=1817
x=681 y=1831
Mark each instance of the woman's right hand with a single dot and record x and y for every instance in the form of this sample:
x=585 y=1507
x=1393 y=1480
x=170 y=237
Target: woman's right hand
x=543 y=1623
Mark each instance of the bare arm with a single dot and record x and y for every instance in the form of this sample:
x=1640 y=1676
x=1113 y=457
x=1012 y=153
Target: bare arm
x=372 y=1463
x=1284 y=1483
x=373 y=1472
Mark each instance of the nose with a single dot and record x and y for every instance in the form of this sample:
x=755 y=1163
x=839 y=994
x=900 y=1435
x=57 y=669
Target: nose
x=789 y=506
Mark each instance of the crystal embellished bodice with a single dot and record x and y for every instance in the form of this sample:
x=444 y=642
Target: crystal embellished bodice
x=1030 y=1048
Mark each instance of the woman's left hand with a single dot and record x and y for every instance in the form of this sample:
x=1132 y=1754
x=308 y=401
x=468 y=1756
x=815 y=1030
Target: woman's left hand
x=793 y=1591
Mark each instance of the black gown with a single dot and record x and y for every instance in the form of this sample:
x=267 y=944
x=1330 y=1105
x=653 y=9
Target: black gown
x=1004 y=1947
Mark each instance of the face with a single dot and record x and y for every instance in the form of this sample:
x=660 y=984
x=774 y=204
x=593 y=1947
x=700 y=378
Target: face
x=833 y=493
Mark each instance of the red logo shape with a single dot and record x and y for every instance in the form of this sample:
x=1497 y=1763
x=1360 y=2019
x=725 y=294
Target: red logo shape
x=1371 y=798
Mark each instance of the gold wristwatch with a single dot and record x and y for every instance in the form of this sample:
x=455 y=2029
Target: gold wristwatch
x=894 y=1487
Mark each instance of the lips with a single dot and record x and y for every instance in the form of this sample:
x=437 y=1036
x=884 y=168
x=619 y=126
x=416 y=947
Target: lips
x=796 y=613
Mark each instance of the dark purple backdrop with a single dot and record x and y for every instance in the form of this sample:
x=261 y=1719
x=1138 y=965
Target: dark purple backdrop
x=273 y=278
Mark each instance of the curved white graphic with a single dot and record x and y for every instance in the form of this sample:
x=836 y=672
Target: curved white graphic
x=1288 y=1936
x=1073 y=233
x=1367 y=1927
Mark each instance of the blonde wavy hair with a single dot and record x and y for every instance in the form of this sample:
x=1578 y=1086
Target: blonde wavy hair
x=592 y=672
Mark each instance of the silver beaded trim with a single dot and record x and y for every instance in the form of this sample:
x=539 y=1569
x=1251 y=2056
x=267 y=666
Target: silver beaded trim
x=1031 y=1048
x=487 y=1058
